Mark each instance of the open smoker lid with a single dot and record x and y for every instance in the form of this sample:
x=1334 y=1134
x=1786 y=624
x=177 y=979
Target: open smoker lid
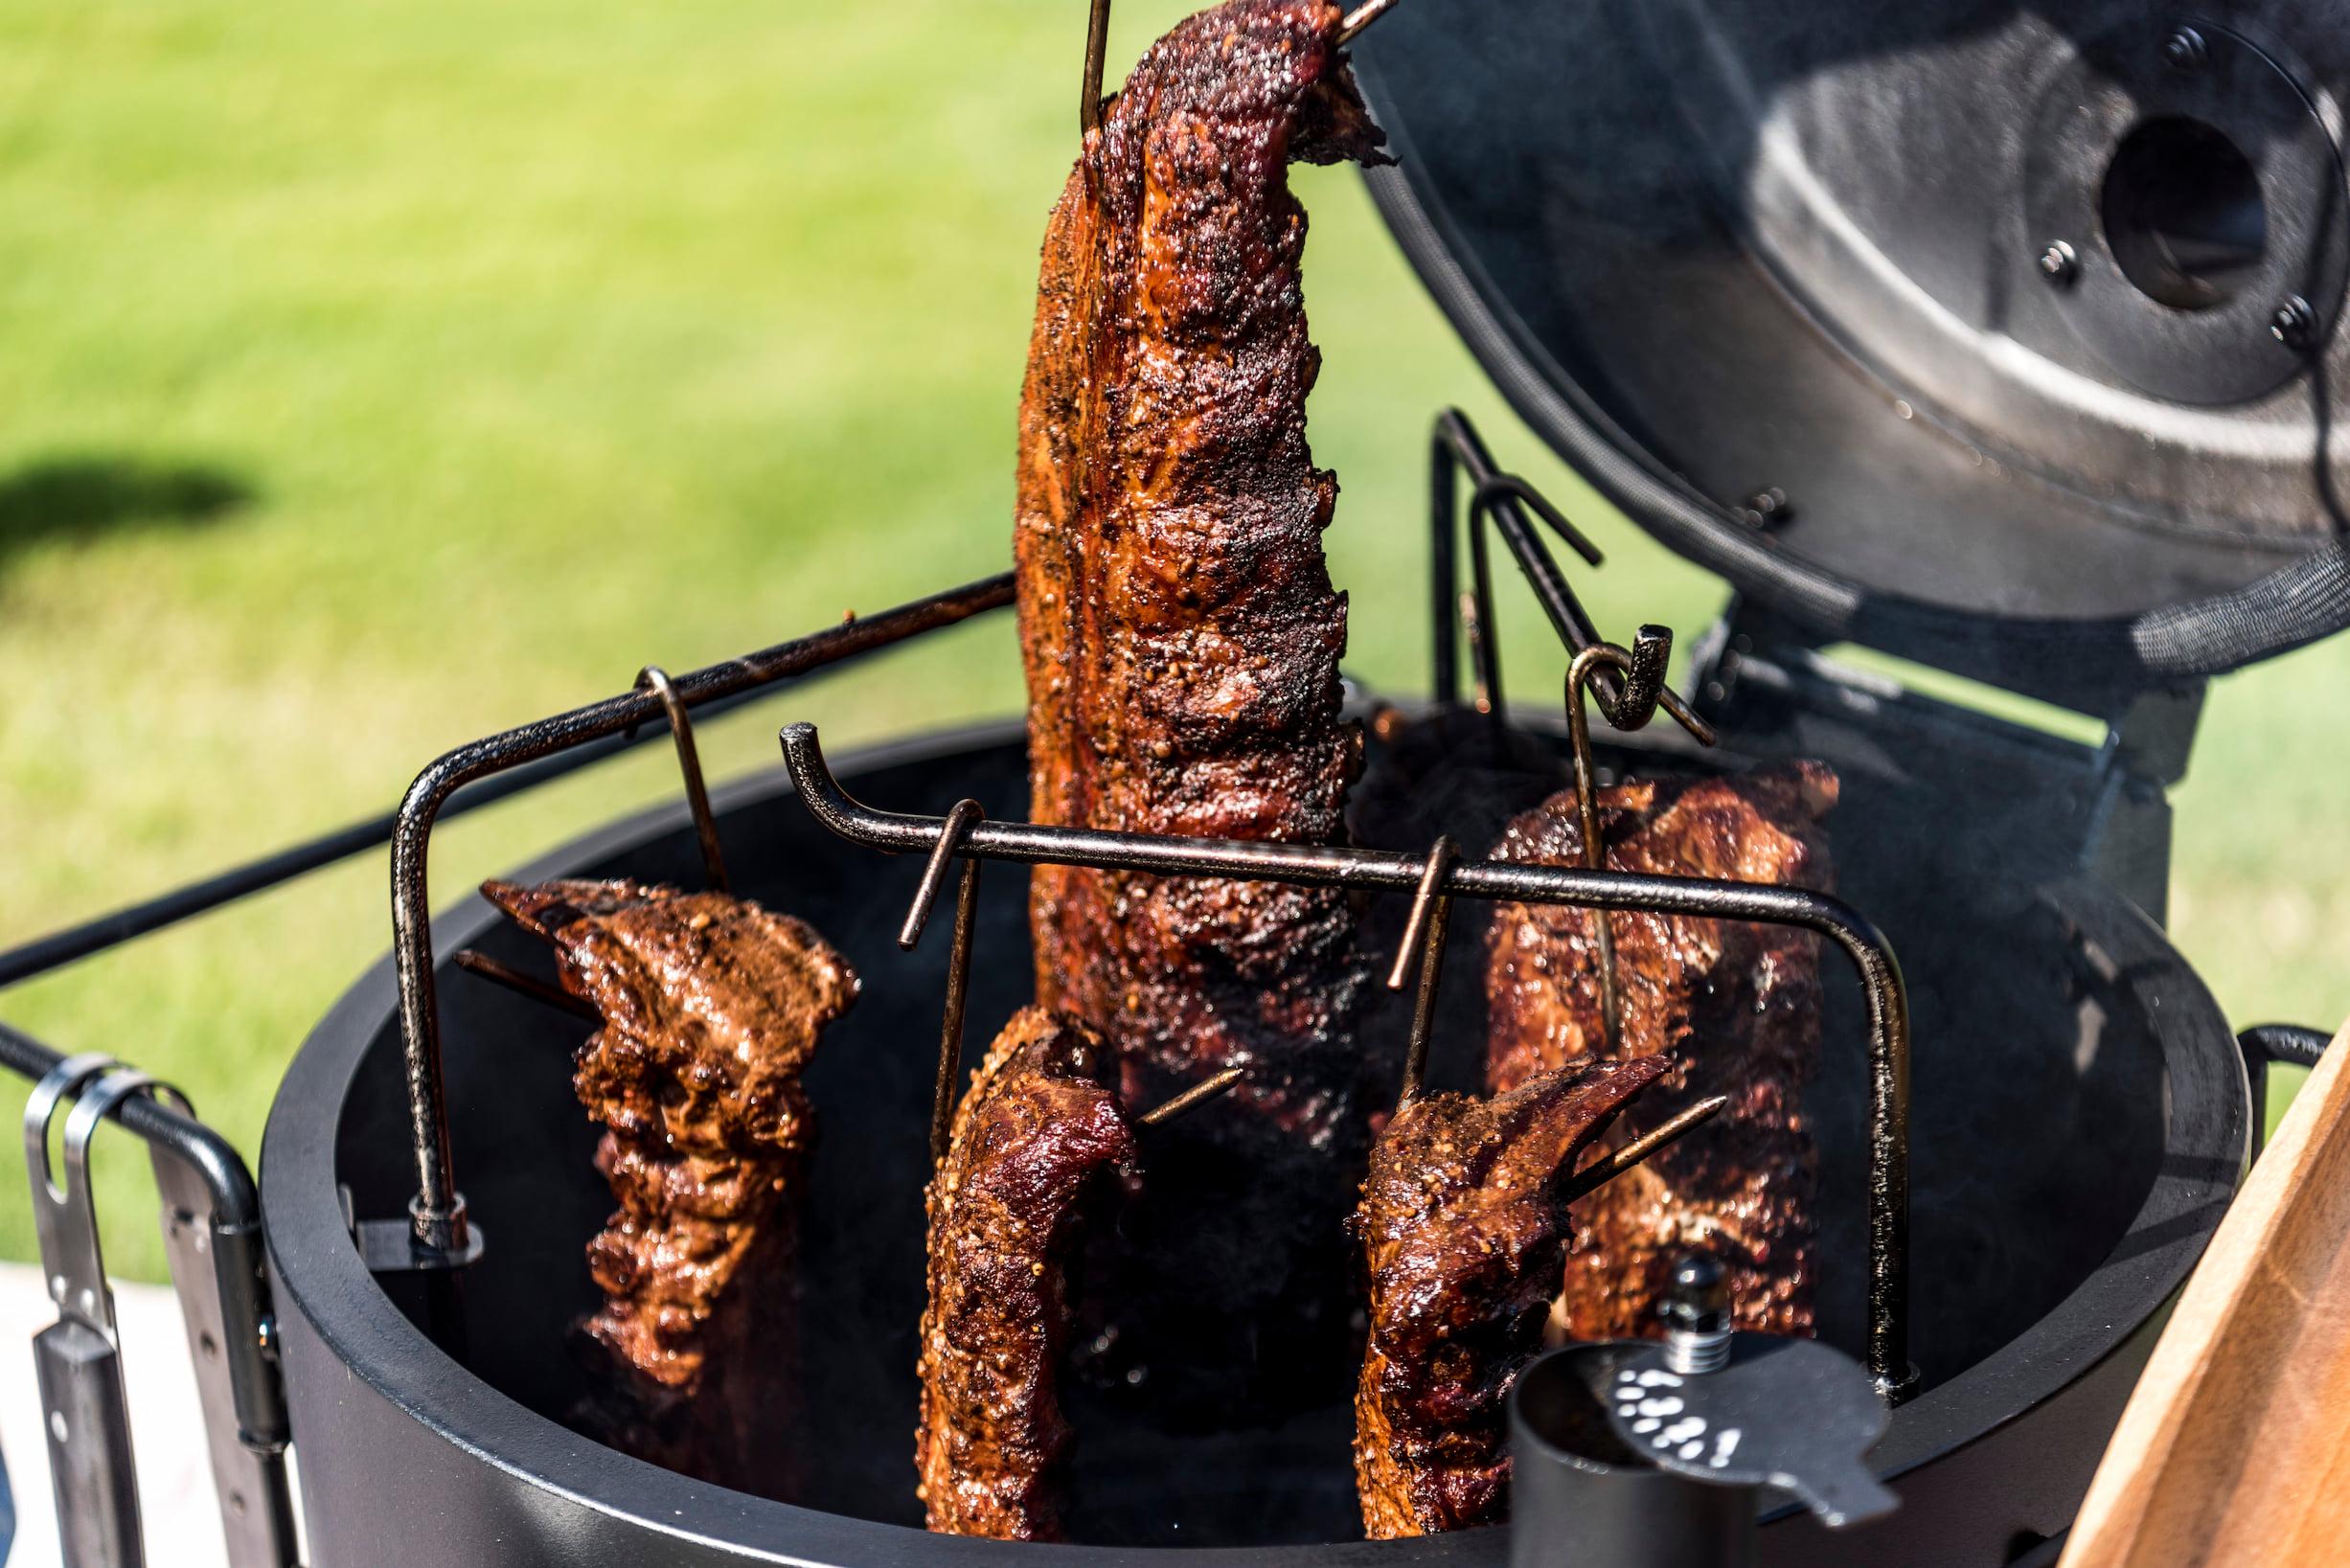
x=1715 y=248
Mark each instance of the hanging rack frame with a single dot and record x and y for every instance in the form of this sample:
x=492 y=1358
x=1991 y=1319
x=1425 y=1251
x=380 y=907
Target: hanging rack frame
x=1377 y=871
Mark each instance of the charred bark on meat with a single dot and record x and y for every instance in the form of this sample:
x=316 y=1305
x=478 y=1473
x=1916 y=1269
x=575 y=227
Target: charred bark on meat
x=1181 y=641
x=1036 y=1131
x=711 y=1008
x=1463 y=1230
x=1736 y=1009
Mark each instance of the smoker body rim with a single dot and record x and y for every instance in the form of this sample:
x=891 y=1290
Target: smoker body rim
x=319 y=1274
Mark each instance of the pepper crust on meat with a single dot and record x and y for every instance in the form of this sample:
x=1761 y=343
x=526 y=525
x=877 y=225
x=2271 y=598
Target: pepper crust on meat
x=712 y=1007
x=1034 y=1131
x=1735 y=1006
x=1463 y=1230
x=1179 y=629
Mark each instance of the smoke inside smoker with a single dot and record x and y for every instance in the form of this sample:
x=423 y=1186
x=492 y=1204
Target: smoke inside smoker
x=1181 y=641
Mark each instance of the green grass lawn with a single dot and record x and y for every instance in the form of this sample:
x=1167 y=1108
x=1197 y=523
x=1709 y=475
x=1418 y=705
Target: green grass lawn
x=380 y=376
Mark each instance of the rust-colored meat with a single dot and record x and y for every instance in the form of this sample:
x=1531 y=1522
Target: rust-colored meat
x=1034 y=1131
x=1179 y=629
x=711 y=1009
x=1462 y=1232
x=1735 y=1006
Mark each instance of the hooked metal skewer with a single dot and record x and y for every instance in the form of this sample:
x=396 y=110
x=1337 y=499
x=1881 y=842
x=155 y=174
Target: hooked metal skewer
x=1605 y=1170
x=1192 y=1098
x=1362 y=16
x=1430 y=918
x=488 y=969
x=1097 y=41
x=1441 y=855
x=654 y=678
x=961 y=819
x=1644 y=692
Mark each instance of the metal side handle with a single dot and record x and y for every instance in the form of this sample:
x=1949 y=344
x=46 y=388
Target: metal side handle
x=208 y=1265
x=78 y=1359
x=2265 y=1046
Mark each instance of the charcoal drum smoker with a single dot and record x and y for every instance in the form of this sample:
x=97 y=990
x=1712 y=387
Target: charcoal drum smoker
x=2000 y=339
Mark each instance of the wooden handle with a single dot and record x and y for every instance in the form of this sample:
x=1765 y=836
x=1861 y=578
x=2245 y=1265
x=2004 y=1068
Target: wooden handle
x=2235 y=1448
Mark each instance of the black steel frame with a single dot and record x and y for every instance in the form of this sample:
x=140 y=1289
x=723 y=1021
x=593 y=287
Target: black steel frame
x=1390 y=872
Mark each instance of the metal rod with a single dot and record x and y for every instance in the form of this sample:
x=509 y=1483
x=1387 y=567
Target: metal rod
x=655 y=679
x=1320 y=865
x=1424 y=1004
x=951 y=1023
x=488 y=969
x=1097 y=43
x=1455 y=435
x=1441 y=855
x=1444 y=573
x=1362 y=16
x=959 y=819
x=1642 y=691
x=1606 y=1169
x=1483 y=631
x=1192 y=1098
x=56 y=950
x=438 y=1211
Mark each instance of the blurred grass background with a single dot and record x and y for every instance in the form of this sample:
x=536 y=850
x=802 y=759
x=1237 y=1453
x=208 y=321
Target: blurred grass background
x=380 y=375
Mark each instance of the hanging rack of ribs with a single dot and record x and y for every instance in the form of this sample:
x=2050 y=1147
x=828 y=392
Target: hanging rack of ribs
x=1182 y=638
x=1734 y=1008
x=1463 y=1226
x=1181 y=634
x=710 y=1008
x=1036 y=1131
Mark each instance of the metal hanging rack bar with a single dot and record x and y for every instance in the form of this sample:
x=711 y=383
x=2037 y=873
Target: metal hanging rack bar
x=437 y=1214
x=655 y=679
x=1384 y=871
x=960 y=819
x=85 y=939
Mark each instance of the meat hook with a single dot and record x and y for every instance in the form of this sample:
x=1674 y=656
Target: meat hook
x=654 y=678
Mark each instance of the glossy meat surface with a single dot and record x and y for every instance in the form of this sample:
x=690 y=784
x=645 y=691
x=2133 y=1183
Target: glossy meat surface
x=1463 y=1233
x=1034 y=1131
x=1734 y=1007
x=712 y=1007
x=1180 y=633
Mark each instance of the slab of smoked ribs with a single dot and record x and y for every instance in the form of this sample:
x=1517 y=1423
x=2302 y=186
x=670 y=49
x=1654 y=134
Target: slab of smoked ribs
x=1736 y=1007
x=1031 y=1135
x=1463 y=1234
x=712 y=1007
x=1181 y=641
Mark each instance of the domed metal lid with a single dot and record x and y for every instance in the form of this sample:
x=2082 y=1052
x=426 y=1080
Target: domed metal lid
x=1997 y=337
